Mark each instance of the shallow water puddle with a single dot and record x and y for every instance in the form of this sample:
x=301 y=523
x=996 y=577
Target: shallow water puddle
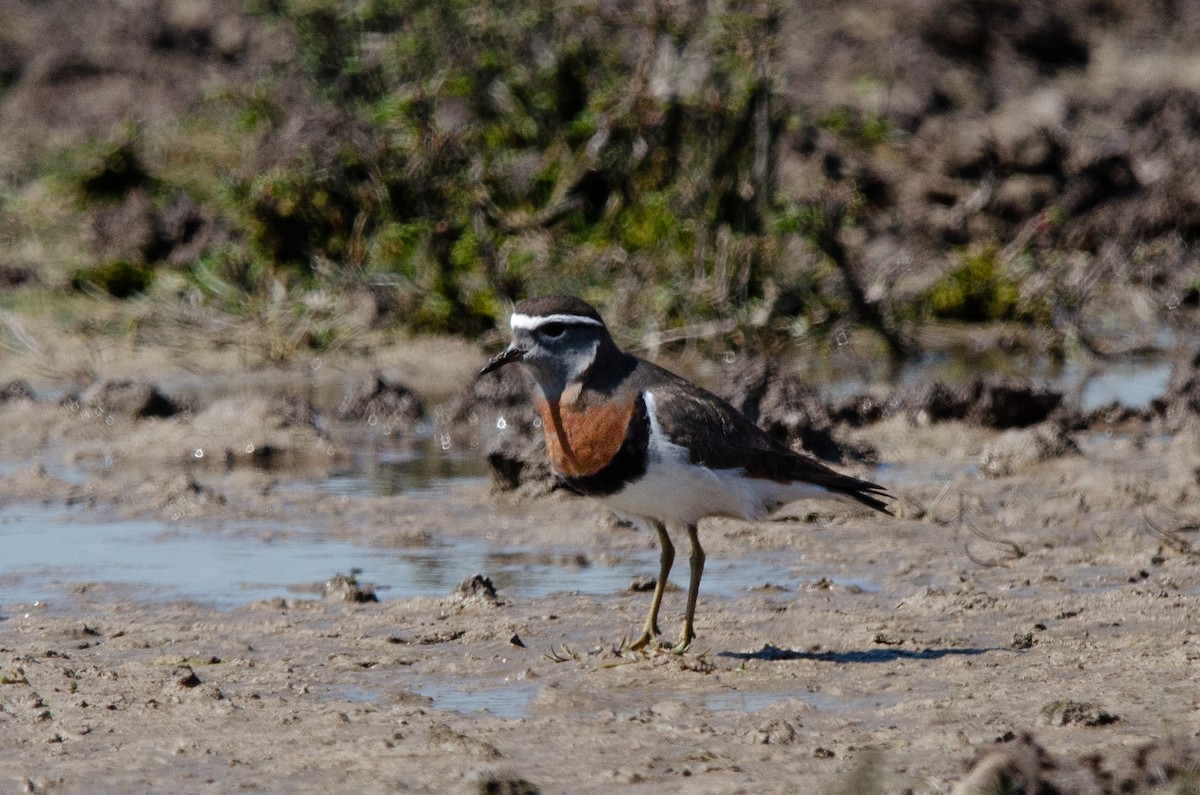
x=1133 y=381
x=48 y=550
x=509 y=700
x=512 y=700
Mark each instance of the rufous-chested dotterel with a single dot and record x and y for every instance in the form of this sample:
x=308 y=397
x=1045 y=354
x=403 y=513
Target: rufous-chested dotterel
x=651 y=445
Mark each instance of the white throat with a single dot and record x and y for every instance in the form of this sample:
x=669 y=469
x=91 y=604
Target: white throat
x=563 y=383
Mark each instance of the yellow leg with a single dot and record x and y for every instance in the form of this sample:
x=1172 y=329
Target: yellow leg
x=665 y=561
x=697 y=571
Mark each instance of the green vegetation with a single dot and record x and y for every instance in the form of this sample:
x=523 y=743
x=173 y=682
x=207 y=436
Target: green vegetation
x=446 y=158
x=976 y=290
x=462 y=154
x=862 y=129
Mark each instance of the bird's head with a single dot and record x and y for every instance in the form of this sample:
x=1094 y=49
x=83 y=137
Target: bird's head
x=556 y=338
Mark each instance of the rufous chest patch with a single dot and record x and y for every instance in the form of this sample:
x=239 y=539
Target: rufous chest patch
x=581 y=443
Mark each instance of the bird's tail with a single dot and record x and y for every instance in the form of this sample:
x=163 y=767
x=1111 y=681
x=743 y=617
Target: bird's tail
x=869 y=494
x=802 y=468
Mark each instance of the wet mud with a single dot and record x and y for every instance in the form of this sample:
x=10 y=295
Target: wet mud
x=1027 y=620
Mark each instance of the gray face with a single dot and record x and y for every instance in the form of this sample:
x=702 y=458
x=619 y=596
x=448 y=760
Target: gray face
x=557 y=353
x=556 y=349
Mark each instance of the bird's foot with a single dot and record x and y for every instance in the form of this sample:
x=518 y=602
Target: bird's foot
x=685 y=640
x=643 y=640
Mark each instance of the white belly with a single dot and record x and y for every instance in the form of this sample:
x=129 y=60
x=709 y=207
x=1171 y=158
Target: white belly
x=676 y=491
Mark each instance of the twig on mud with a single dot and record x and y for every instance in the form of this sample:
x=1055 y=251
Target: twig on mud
x=939 y=497
x=563 y=653
x=1169 y=537
x=620 y=647
x=1015 y=549
x=622 y=654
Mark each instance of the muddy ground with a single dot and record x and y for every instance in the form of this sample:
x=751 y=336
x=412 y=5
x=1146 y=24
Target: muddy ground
x=1042 y=612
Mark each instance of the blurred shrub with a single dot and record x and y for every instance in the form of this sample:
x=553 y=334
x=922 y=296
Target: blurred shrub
x=526 y=146
x=458 y=155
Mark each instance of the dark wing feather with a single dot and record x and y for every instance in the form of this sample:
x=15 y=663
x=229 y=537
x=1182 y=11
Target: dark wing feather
x=721 y=437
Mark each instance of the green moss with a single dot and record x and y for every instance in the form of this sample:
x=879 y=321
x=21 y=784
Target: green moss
x=857 y=127
x=977 y=290
x=651 y=223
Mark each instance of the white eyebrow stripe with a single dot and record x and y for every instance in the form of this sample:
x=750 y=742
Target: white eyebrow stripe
x=531 y=322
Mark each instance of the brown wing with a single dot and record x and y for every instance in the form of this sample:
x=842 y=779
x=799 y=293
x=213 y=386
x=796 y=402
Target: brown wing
x=720 y=437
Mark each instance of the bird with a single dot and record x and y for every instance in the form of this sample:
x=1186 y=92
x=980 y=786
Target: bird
x=653 y=446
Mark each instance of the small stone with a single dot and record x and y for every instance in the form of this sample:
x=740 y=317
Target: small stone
x=642 y=584
x=186 y=677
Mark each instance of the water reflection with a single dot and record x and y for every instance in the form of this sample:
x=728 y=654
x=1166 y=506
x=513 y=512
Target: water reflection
x=387 y=467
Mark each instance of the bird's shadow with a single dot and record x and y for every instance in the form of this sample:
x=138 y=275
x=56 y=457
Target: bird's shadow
x=769 y=653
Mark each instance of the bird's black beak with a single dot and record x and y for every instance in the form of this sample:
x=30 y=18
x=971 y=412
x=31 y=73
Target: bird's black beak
x=509 y=354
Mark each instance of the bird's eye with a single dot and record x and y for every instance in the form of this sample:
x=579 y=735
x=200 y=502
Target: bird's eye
x=553 y=330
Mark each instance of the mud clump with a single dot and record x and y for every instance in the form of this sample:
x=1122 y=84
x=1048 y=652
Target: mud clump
x=781 y=404
x=263 y=432
x=135 y=230
x=133 y=399
x=176 y=496
x=520 y=464
x=15 y=390
x=488 y=782
x=1075 y=713
x=381 y=402
x=495 y=412
x=1000 y=403
x=18 y=274
x=776 y=732
x=1020 y=448
x=185 y=677
x=1182 y=398
x=990 y=401
x=477 y=589
x=348 y=588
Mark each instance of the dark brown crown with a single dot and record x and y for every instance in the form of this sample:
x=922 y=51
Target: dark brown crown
x=556 y=305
